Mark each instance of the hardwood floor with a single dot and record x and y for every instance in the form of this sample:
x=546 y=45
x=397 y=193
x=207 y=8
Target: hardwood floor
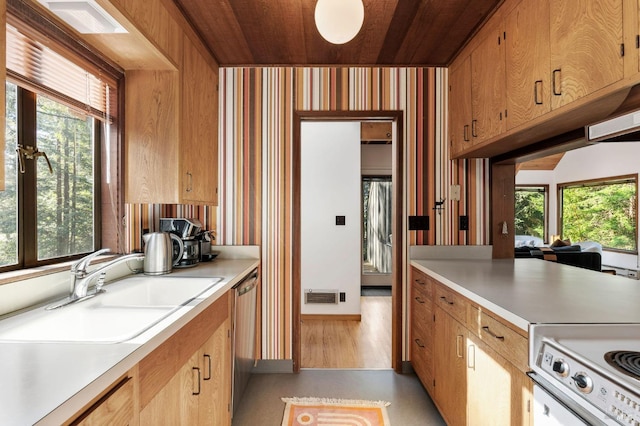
x=350 y=344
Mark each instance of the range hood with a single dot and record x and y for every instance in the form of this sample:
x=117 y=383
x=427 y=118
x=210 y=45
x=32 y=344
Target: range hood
x=623 y=128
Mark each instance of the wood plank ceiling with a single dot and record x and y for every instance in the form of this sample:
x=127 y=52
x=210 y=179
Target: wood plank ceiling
x=283 y=32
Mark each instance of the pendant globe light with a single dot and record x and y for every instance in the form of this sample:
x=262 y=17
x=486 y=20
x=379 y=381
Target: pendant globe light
x=339 y=21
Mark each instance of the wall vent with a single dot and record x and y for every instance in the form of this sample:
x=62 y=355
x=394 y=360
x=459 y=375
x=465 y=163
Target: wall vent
x=321 y=296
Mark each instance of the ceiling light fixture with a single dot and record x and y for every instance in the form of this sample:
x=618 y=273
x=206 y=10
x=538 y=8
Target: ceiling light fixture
x=339 y=21
x=85 y=16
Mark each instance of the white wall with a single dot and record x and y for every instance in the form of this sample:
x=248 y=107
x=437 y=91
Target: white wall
x=593 y=162
x=330 y=186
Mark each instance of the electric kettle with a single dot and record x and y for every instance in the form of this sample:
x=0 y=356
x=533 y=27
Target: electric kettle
x=159 y=256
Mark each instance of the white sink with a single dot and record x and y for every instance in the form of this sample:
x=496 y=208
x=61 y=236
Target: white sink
x=143 y=291
x=128 y=308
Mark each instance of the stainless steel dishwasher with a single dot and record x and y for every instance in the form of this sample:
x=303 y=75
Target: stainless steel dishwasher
x=244 y=335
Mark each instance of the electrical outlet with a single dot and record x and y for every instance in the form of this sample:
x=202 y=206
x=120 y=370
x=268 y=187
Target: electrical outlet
x=464 y=223
x=418 y=223
x=343 y=297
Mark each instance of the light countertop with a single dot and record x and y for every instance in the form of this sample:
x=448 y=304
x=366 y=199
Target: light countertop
x=47 y=383
x=527 y=291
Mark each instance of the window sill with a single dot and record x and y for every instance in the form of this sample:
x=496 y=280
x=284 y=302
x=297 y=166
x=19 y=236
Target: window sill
x=39 y=271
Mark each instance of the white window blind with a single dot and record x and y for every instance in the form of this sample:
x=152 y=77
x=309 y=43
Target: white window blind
x=35 y=66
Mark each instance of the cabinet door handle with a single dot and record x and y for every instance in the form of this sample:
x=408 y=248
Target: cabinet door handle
x=189 y=182
x=419 y=343
x=459 y=341
x=465 y=133
x=419 y=300
x=198 y=381
x=444 y=299
x=471 y=356
x=556 y=85
x=537 y=90
x=421 y=282
x=491 y=333
x=208 y=358
x=473 y=128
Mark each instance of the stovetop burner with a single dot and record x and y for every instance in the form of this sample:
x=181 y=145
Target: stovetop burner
x=627 y=362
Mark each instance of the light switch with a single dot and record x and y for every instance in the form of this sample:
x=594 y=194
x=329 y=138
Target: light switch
x=341 y=220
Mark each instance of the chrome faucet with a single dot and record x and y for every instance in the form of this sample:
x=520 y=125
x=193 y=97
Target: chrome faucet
x=81 y=278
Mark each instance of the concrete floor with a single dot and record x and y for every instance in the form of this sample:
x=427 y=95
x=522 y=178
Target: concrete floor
x=410 y=403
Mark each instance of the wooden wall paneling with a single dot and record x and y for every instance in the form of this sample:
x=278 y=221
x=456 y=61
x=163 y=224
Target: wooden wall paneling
x=156 y=23
x=375 y=131
x=503 y=184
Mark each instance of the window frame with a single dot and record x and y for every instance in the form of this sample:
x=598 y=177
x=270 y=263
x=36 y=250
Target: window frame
x=545 y=189
x=26 y=185
x=108 y=195
x=610 y=180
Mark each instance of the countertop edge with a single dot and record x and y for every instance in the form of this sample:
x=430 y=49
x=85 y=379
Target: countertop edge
x=504 y=313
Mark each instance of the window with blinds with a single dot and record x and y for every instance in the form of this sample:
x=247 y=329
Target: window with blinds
x=61 y=168
x=32 y=65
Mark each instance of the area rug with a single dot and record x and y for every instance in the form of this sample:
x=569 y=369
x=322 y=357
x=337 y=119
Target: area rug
x=329 y=411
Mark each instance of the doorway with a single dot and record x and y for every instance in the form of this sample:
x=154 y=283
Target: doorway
x=396 y=224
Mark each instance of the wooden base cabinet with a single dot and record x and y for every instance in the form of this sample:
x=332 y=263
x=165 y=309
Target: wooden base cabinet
x=422 y=333
x=184 y=381
x=187 y=380
x=214 y=402
x=471 y=362
x=450 y=367
x=506 y=401
x=116 y=407
x=199 y=393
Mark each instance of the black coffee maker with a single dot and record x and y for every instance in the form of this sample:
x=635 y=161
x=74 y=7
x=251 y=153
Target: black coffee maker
x=188 y=230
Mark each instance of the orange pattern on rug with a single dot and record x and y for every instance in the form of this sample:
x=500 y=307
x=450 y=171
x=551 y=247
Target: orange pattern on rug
x=323 y=411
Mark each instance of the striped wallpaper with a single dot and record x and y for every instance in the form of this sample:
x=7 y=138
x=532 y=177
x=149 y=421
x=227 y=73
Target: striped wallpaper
x=255 y=140
x=256 y=116
x=143 y=218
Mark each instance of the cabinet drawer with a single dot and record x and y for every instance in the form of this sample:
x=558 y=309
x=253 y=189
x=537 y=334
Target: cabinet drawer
x=422 y=362
x=115 y=408
x=504 y=340
x=421 y=285
x=452 y=303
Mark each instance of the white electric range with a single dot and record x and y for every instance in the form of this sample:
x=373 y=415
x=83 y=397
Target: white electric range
x=591 y=370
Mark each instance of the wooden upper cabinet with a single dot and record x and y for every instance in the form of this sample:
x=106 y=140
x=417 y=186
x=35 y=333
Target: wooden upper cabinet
x=199 y=146
x=171 y=129
x=586 y=40
x=488 y=97
x=460 y=106
x=532 y=61
x=151 y=136
x=528 y=62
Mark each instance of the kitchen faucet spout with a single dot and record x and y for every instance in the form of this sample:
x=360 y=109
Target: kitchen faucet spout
x=81 y=279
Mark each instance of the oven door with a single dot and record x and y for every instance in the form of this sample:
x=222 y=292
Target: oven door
x=552 y=408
